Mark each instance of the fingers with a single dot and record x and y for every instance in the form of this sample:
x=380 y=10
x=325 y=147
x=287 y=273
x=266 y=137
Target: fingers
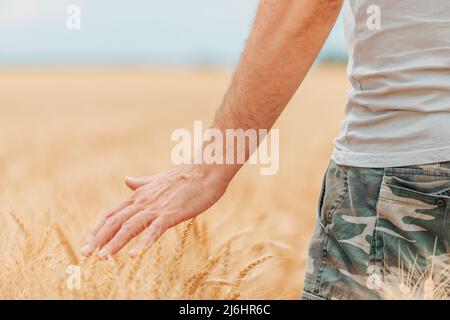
x=149 y=237
x=130 y=229
x=109 y=229
x=135 y=183
x=105 y=217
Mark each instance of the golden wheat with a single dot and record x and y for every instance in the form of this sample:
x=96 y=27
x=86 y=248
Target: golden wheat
x=415 y=283
x=69 y=138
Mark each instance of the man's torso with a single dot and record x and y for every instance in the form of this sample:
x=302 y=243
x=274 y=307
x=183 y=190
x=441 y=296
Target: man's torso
x=398 y=111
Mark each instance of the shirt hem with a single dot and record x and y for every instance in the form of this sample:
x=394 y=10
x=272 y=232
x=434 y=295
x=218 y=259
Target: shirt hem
x=391 y=159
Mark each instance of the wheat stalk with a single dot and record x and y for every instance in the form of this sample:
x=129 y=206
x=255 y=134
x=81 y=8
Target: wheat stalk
x=22 y=228
x=45 y=241
x=157 y=279
x=111 y=275
x=65 y=243
x=198 y=280
x=217 y=286
x=428 y=289
x=427 y=283
x=176 y=263
x=132 y=280
x=245 y=272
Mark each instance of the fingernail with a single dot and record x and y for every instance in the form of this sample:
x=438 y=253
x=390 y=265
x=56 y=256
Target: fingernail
x=134 y=252
x=86 y=250
x=103 y=253
x=88 y=238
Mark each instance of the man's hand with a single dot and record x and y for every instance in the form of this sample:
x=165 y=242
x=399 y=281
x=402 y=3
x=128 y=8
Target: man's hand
x=286 y=38
x=158 y=203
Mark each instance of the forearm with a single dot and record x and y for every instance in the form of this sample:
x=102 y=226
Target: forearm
x=286 y=39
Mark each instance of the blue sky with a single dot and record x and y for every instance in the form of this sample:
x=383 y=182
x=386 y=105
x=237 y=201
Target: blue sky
x=151 y=32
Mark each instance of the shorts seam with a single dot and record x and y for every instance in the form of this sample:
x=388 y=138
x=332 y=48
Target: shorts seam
x=422 y=194
x=408 y=203
x=413 y=172
x=340 y=198
x=323 y=260
x=306 y=295
x=377 y=256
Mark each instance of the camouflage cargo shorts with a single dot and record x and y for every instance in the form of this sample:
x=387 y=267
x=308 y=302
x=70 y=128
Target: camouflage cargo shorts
x=373 y=226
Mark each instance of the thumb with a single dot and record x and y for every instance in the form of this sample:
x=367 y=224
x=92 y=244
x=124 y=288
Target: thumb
x=135 y=183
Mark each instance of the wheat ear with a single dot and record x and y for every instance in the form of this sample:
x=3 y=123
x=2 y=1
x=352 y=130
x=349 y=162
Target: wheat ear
x=198 y=280
x=66 y=245
x=21 y=227
x=244 y=273
x=179 y=253
x=157 y=279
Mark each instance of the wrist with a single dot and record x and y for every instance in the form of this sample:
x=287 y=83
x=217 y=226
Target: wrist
x=215 y=174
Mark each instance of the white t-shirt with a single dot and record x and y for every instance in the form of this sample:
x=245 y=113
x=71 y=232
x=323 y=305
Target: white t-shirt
x=398 y=112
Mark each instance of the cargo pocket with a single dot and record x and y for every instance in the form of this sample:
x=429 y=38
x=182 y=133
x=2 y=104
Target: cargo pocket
x=412 y=226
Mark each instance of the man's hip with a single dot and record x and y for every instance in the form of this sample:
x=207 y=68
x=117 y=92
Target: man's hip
x=377 y=229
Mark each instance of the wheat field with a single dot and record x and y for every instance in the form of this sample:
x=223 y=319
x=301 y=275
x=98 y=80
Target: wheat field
x=68 y=137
